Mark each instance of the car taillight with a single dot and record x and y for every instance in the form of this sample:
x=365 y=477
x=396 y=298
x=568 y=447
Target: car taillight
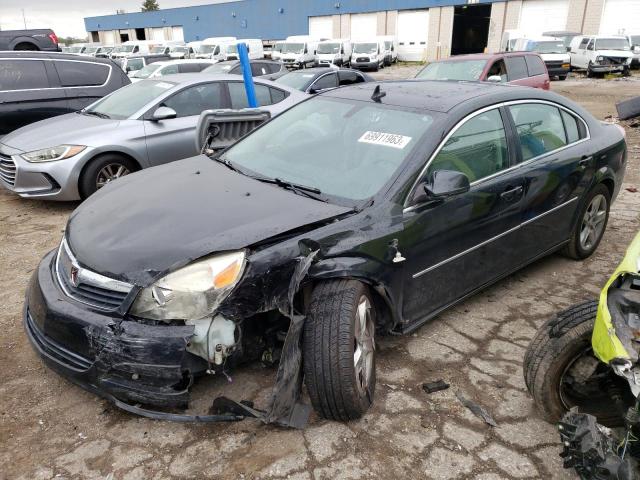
x=53 y=37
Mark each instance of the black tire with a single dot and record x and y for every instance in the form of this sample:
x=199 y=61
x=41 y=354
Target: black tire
x=589 y=71
x=329 y=344
x=555 y=348
x=562 y=77
x=88 y=182
x=574 y=249
x=26 y=46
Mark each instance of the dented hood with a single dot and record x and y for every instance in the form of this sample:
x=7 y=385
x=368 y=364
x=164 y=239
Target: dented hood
x=162 y=218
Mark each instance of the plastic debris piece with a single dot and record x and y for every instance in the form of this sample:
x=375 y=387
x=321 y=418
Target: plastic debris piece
x=476 y=409
x=432 y=387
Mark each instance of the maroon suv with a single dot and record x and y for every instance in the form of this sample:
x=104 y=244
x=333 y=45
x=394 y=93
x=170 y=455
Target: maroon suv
x=517 y=68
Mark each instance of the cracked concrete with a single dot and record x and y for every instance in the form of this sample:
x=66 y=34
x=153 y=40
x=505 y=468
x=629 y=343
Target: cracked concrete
x=50 y=428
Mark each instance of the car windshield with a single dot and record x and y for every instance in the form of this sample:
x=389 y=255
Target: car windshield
x=232 y=48
x=325 y=48
x=75 y=49
x=147 y=71
x=126 y=101
x=123 y=49
x=297 y=80
x=158 y=49
x=179 y=49
x=292 y=47
x=635 y=39
x=612 y=44
x=134 y=64
x=456 y=70
x=206 y=48
x=218 y=68
x=554 y=46
x=365 y=48
x=278 y=47
x=347 y=149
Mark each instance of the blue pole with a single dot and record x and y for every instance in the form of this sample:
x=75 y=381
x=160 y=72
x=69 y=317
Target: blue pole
x=249 y=87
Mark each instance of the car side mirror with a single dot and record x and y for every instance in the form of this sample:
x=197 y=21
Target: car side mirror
x=446 y=183
x=163 y=113
x=494 y=79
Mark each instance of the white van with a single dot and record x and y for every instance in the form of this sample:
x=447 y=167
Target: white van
x=601 y=54
x=214 y=47
x=132 y=47
x=165 y=47
x=299 y=51
x=334 y=52
x=276 y=51
x=368 y=54
x=254 y=45
x=509 y=38
x=390 y=48
x=552 y=50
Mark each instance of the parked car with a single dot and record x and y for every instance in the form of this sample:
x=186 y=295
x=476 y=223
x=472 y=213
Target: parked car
x=601 y=54
x=170 y=67
x=634 y=41
x=563 y=35
x=132 y=47
x=553 y=52
x=255 y=49
x=299 y=51
x=104 y=51
x=319 y=79
x=39 y=85
x=214 y=47
x=135 y=63
x=276 y=50
x=368 y=55
x=267 y=69
x=364 y=210
x=516 y=68
x=334 y=52
x=43 y=39
x=148 y=123
x=390 y=48
x=165 y=47
x=179 y=52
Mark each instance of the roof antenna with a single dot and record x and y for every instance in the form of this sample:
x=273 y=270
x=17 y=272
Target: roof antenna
x=378 y=94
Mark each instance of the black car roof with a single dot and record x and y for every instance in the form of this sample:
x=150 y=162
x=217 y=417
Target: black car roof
x=439 y=96
x=52 y=55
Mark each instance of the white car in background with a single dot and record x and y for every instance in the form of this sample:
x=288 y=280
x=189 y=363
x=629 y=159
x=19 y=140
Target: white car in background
x=170 y=67
x=368 y=54
x=634 y=41
x=334 y=52
x=552 y=50
x=601 y=54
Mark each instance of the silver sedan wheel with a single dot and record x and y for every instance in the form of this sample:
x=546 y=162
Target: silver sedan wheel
x=109 y=173
x=364 y=345
x=593 y=222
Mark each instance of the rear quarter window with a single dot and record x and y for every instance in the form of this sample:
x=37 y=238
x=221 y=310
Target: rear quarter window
x=535 y=65
x=23 y=75
x=81 y=74
x=516 y=68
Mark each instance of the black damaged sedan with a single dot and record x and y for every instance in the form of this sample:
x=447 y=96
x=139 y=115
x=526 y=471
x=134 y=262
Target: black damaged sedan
x=362 y=211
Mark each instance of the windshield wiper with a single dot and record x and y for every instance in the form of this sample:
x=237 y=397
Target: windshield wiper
x=224 y=161
x=95 y=114
x=304 y=190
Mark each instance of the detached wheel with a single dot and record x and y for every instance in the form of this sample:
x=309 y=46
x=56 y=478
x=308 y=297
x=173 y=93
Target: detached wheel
x=591 y=224
x=103 y=170
x=561 y=371
x=339 y=349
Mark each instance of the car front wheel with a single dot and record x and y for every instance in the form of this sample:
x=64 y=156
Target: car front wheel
x=339 y=349
x=103 y=170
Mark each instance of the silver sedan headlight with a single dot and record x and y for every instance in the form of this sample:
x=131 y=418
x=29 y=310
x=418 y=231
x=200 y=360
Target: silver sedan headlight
x=194 y=291
x=53 y=153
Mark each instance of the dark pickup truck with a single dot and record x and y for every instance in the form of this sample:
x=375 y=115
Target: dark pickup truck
x=43 y=39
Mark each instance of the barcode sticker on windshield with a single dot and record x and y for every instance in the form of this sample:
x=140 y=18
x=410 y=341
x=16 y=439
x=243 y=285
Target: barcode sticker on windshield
x=386 y=139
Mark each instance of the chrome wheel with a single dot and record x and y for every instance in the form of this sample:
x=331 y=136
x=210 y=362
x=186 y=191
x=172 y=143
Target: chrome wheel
x=364 y=346
x=109 y=173
x=593 y=222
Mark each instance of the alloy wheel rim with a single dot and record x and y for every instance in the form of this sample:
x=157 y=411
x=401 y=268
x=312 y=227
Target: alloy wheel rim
x=593 y=222
x=364 y=345
x=110 y=172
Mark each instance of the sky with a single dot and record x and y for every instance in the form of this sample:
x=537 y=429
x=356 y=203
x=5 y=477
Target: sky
x=66 y=17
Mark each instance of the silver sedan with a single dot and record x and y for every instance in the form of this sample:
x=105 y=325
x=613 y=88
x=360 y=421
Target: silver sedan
x=141 y=125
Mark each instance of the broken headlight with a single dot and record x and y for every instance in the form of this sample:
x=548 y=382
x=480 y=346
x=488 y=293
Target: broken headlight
x=193 y=292
x=53 y=153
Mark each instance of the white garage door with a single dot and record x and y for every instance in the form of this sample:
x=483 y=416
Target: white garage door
x=177 y=34
x=321 y=27
x=108 y=37
x=157 y=34
x=620 y=16
x=538 y=16
x=364 y=26
x=413 y=32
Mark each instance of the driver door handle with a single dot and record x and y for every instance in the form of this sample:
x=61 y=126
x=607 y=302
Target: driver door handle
x=512 y=194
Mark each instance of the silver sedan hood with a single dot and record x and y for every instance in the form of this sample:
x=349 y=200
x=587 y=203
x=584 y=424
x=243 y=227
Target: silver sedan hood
x=72 y=129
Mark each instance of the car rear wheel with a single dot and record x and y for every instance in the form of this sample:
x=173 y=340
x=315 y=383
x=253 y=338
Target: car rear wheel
x=102 y=170
x=26 y=46
x=339 y=349
x=561 y=371
x=591 y=224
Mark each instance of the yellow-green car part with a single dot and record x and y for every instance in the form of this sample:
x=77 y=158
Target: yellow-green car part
x=606 y=345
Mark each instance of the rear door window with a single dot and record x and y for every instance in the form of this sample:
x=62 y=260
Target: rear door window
x=194 y=100
x=326 y=81
x=23 y=74
x=535 y=65
x=516 y=68
x=498 y=69
x=81 y=74
x=349 y=78
x=540 y=128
